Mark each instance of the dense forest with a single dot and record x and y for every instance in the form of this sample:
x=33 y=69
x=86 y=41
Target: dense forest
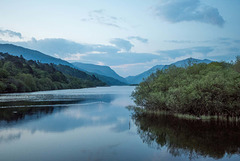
x=198 y=89
x=20 y=75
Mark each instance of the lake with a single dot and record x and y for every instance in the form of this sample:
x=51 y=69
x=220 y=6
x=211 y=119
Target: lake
x=94 y=124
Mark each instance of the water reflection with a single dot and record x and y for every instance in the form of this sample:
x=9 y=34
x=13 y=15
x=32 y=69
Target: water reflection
x=191 y=138
x=93 y=124
x=7 y=137
x=10 y=116
x=23 y=111
x=58 y=112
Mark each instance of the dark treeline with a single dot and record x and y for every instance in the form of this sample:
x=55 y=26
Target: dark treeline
x=192 y=138
x=199 y=89
x=20 y=75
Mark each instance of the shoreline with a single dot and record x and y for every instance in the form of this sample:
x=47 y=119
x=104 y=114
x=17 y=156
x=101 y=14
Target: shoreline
x=185 y=116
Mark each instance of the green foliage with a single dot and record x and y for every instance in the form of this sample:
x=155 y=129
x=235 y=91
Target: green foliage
x=28 y=80
x=237 y=64
x=2 y=86
x=200 y=89
x=10 y=67
x=3 y=73
x=91 y=80
x=20 y=75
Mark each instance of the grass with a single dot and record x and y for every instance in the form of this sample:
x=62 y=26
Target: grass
x=184 y=116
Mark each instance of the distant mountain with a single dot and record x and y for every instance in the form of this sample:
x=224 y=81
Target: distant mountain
x=109 y=80
x=100 y=71
x=189 y=61
x=29 y=54
x=139 y=78
x=183 y=63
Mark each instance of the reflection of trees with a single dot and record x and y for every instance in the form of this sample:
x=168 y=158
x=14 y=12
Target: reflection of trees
x=13 y=112
x=10 y=115
x=189 y=137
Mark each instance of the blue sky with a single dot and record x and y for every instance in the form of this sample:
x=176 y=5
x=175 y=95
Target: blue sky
x=131 y=36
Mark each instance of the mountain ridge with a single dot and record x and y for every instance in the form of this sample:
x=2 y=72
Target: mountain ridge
x=20 y=75
x=35 y=55
x=30 y=54
x=104 y=73
x=99 y=70
x=182 y=63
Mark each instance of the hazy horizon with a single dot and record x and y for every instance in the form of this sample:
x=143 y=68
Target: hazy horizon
x=129 y=36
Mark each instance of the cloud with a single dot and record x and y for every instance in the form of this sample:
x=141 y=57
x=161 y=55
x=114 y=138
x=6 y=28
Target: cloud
x=222 y=49
x=100 y=16
x=186 y=52
x=126 y=66
x=188 y=10
x=119 y=56
x=100 y=63
x=100 y=11
x=179 y=41
x=64 y=48
x=143 y=40
x=237 y=41
x=116 y=54
x=11 y=34
x=218 y=41
x=122 y=44
x=114 y=58
x=225 y=52
x=136 y=68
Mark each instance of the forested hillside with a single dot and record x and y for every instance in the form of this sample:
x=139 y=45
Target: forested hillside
x=20 y=75
x=200 y=89
x=29 y=54
x=104 y=73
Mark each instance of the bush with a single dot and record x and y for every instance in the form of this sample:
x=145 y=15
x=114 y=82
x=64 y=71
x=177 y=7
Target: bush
x=200 y=89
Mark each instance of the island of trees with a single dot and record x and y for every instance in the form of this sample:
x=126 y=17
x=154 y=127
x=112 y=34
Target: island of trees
x=20 y=75
x=198 y=89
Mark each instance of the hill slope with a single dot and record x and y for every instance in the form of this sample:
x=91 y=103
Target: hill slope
x=99 y=70
x=29 y=54
x=183 y=63
x=138 y=78
x=109 y=80
x=43 y=58
x=19 y=75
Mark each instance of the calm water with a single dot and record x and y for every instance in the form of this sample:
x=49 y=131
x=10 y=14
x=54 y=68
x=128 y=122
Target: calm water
x=93 y=124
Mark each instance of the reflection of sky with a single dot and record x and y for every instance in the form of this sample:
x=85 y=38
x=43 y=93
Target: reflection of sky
x=67 y=94
x=92 y=114
x=97 y=130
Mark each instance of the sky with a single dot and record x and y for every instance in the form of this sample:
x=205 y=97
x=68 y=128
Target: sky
x=130 y=36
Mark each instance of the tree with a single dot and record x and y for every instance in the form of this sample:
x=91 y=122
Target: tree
x=3 y=73
x=28 y=80
x=199 y=89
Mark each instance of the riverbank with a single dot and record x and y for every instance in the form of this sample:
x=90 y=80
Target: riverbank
x=143 y=111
